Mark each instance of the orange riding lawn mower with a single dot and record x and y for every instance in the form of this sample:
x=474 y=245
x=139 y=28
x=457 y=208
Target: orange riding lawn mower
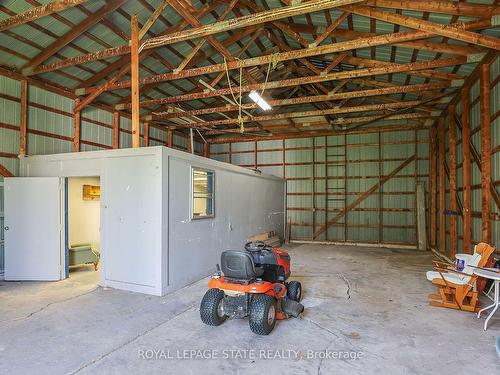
x=252 y=283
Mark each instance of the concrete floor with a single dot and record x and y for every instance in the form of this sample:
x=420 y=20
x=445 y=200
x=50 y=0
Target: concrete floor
x=358 y=300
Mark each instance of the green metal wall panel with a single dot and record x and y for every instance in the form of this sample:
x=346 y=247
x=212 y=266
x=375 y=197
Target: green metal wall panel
x=326 y=174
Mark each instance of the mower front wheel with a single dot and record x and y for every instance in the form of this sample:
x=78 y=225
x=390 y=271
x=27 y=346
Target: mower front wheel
x=294 y=290
x=212 y=307
x=262 y=314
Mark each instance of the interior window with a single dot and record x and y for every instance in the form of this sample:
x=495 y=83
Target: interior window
x=203 y=194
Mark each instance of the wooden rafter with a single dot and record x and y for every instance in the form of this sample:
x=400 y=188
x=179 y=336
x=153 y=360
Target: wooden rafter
x=299 y=114
x=151 y=20
x=458 y=33
x=366 y=72
x=75 y=32
x=38 y=12
x=439 y=6
x=421 y=88
x=295 y=54
x=203 y=31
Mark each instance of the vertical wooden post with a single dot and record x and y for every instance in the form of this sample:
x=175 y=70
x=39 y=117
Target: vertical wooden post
x=134 y=61
x=77 y=124
x=325 y=171
x=116 y=129
x=416 y=195
x=255 y=155
x=380 y=196
x=466 y=171
x=23 y=127
x=485 y=132
x=230 y=153
x=432 y=186
x=191 y=141
x=170 y=137
x=313 y=188
x=206 y=150
x=145 y=134
x=283 y=158
x=346 y=233
x=452 y=145
x=442 y=187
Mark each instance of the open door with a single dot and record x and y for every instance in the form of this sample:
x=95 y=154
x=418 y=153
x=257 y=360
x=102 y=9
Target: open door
x=34 y=235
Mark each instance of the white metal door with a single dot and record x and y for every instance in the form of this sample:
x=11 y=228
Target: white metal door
x=34 y=237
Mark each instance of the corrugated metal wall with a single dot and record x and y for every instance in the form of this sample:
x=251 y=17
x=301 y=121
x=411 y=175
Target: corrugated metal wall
x=475 y=122
x=326 y=174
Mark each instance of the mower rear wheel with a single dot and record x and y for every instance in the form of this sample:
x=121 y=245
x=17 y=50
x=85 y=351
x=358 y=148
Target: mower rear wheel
x=294 y=291
x=212 y=307
x=262 y=314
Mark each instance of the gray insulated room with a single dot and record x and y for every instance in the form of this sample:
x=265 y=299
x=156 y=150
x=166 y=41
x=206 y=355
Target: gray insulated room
x=249 y=187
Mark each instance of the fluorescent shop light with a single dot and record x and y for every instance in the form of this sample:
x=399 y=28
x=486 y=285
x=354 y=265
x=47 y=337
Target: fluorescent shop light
x=254 y=95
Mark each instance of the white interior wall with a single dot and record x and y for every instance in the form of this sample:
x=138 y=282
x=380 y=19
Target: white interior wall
x=83 y=215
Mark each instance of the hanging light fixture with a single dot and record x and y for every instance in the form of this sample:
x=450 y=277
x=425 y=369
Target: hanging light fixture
x=254 y=95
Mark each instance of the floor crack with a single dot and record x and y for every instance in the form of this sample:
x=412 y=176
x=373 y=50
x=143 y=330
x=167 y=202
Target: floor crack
x=48 y=305
x=136 y=337
x=348 y=291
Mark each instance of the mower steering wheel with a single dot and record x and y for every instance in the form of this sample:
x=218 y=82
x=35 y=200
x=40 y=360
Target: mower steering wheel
x=255 y=246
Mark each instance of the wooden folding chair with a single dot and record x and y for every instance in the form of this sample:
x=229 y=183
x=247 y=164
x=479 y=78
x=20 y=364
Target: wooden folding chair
x=456 y=290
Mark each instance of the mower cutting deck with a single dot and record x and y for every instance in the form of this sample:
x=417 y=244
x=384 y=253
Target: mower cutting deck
x=252 y=283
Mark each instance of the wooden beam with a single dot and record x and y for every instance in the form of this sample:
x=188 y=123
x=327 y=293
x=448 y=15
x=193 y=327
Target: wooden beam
x=304 y=134
x=485 y=131
x=38 y=12
x=385 y=69
x=418 y=88
x=193 y=20
x=77 y=125
x=203 y=31
x=442 y=186
x=315 y=125
x=151 y=20
x=170 y=137
x=134 y=60
x=116 y=129
x=285 y=56
x=248 y=20
x=419 y=24
x=459 y=8
x=432 y=185
x=125 y=60
x=206 y=150
x=466 y=171
x=145 y=135
x=4 y=172
x=184 y=11
x=363 y=196
x=330 y=29
x=452 y=152
x=190 y=142
x=23 y=128
x=427 y=73
x=299 y=114
x=75 y=32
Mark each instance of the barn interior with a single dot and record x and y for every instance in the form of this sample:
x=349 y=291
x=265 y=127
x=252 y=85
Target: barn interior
x=380 y=117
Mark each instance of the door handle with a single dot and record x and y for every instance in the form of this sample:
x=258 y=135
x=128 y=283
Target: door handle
x=6 y=228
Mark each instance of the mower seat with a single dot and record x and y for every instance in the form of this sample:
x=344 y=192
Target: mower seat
x=239 y=266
